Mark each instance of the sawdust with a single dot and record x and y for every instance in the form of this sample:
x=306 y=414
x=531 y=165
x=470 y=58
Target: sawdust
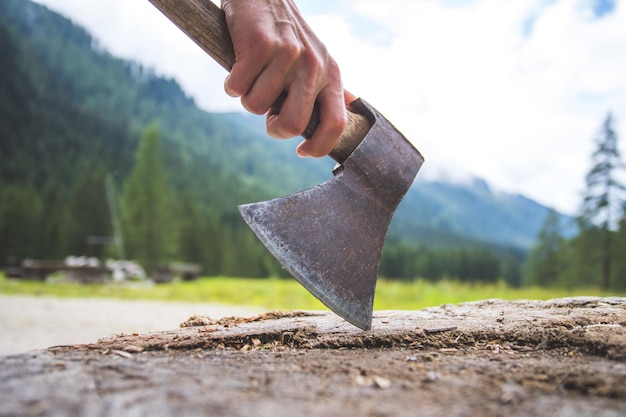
x=197 y=321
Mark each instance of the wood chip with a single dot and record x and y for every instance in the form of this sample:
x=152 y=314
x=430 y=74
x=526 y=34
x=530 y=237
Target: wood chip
x=603 y=326
x=440 y=329
x=122 y=353
x=380 y=382
x=373 y=381
x=133 y=349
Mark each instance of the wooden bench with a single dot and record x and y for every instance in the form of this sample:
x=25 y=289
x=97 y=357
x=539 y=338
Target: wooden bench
x=40 y=270
x=184 y=271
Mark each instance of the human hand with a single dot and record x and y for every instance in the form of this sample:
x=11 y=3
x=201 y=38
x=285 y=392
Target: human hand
x=276 y=52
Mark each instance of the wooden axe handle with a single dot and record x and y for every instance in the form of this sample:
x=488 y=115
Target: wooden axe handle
x=205 y=23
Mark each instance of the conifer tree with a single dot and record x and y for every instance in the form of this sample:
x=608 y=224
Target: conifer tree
x=148 y=205
x=604 y=195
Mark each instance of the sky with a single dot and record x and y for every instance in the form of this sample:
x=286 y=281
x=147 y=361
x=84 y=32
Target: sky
x=514 y=92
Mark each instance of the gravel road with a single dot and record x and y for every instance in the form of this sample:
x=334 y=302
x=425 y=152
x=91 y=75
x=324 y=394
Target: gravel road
x=31 y=322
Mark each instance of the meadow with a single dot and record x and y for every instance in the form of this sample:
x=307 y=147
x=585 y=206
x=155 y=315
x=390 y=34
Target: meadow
x=287 y=294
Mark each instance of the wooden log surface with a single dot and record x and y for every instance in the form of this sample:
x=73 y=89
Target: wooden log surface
x=560 y=357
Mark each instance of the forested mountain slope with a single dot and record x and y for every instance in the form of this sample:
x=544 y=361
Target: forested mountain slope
x=71 y=115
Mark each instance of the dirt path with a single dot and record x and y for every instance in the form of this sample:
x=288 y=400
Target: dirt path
x=28 y=323
x=494 y=358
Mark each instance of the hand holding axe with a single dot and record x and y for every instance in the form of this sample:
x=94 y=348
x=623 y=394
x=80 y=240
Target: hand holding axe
x=329 y=237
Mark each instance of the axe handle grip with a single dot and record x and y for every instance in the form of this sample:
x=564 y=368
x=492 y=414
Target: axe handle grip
x=204 y=22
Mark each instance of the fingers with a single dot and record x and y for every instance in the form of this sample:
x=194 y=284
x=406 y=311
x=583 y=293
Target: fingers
x=260 y=77
x=332 y=123
x=295 y=112
x=275 y=53
x=302 y=84
x=318 y=81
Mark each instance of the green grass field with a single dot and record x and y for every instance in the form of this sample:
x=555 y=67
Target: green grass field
x=287 y=294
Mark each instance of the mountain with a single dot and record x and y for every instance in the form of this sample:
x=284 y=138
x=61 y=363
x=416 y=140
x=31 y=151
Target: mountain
x=449 y=212
x=72 y=114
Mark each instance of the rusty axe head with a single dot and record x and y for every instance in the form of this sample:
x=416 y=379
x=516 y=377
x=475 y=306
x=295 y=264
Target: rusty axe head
x=330 y=237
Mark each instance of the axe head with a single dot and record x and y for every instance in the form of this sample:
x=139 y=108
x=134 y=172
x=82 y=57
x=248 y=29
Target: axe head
x=330 y=237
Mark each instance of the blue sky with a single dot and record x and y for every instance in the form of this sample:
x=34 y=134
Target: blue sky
x=510 y=91
x=603 y=7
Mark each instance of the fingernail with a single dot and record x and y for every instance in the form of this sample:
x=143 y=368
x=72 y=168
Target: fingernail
x=302 y=154
x=227 y=88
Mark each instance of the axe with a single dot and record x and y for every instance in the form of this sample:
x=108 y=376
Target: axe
x=335 y=253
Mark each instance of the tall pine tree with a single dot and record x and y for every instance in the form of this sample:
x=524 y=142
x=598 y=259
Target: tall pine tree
x=604 y=196
x=148 y=205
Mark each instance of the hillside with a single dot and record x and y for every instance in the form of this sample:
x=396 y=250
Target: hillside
x=451 y=212
x=72 y=114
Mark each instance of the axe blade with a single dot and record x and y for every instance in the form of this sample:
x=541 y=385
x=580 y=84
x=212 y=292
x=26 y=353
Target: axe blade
x=330 y=237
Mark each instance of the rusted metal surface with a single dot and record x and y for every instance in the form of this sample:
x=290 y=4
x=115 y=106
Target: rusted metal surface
x=330 y=237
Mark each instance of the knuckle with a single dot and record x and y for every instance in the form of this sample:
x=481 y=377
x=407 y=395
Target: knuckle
x=254 y=105
x=314 y=64
x=259 y=48
x=337 y=123
x=290 y=52
x=293 y=127
x=264 y=44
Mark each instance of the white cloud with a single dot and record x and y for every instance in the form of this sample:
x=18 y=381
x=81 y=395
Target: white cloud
x=479 y=93
x=513 y=92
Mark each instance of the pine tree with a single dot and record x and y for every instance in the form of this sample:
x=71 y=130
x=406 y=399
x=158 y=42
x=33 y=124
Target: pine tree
x=604 y=195
x=148 y=205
